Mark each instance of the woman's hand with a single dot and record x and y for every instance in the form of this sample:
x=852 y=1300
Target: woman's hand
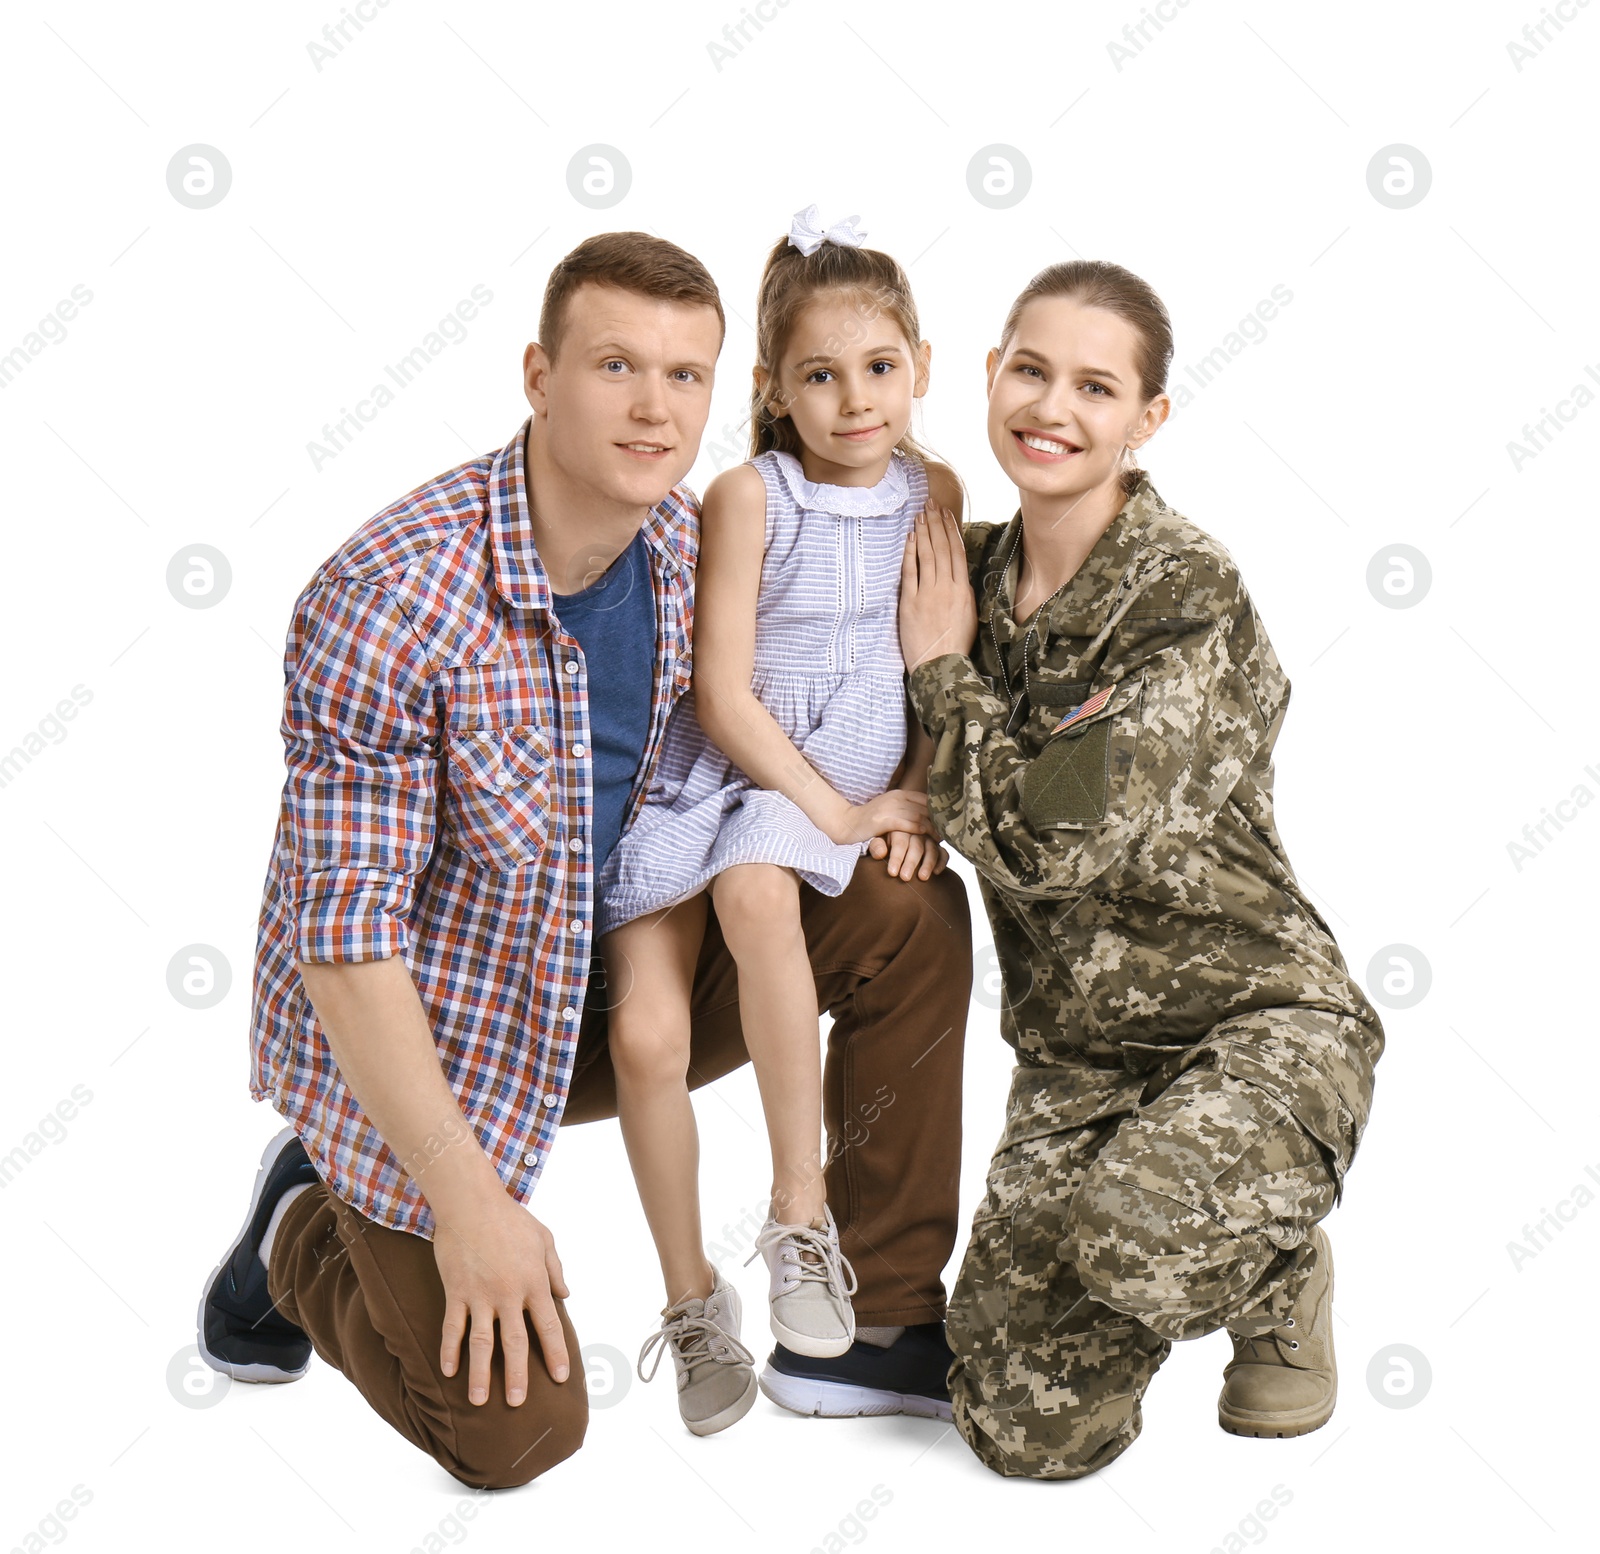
x=937 y=611
x=910 y=855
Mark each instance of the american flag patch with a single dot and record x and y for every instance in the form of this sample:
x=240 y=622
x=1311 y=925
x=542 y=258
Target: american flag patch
x=1084 y=710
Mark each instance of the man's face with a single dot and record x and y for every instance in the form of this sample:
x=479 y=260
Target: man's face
x=626 y=401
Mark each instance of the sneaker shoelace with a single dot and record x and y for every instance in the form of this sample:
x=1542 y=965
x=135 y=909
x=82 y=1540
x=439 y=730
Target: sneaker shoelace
x=816 y=1256
x=695 y=1338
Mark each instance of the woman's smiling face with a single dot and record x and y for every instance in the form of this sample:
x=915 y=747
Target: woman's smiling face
x=1065 y=398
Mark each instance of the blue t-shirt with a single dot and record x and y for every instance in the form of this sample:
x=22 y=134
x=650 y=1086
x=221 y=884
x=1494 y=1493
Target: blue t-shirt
x=614 y=620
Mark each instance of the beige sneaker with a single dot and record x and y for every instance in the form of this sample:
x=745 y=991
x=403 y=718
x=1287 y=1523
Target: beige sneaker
x=716 y=1373
x=1285 y=1382
x=812 y=1282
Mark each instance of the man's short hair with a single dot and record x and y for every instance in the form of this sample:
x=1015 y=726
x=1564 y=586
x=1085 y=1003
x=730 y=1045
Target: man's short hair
x=640 y=262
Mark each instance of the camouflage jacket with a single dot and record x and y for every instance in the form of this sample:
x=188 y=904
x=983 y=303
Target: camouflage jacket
x=1123 y=831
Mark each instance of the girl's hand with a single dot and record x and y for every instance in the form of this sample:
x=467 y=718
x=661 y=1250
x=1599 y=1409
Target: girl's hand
x=899 y=809
x=937 y=611
x=910 y=856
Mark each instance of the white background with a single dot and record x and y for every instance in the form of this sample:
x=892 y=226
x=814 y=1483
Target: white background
x=1227 y=156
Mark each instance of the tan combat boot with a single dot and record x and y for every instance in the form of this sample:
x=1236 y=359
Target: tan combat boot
x=1285 y=1382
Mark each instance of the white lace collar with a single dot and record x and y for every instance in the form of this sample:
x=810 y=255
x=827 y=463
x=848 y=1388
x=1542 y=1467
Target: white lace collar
x=879 y=501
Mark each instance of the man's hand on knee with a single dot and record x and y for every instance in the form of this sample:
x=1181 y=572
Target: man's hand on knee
x=494 y=1265
x=495 y=1260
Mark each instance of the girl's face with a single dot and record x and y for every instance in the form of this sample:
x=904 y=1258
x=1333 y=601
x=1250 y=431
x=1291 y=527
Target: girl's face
x=1065 y=400
x=848 y=379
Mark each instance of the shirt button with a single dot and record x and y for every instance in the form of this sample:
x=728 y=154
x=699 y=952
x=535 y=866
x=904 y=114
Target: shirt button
x=576 y=925
x=569 y=1013
x=579 y=749
x=531 y=1158
x=576 y=844
x=549 y=1100
x=571 y=666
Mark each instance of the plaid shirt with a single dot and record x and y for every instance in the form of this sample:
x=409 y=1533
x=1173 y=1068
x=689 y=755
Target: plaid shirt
x=437 y=807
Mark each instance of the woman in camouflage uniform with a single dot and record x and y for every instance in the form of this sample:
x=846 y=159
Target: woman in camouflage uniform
x=1194 y=1060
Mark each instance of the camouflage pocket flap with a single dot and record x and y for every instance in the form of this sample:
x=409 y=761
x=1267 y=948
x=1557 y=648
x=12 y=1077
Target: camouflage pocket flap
x=1069 y=782
x=1054 y=1100
x=1046 y=692
x=1141 y=1057
x=1295 y=1083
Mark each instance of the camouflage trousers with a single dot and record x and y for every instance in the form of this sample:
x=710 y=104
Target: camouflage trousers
x=1099 y=1242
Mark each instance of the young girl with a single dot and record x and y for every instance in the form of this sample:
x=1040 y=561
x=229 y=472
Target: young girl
x=778 y=769
x=1195 y=1060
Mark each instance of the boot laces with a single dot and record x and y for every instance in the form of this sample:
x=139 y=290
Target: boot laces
x=1270 y=1356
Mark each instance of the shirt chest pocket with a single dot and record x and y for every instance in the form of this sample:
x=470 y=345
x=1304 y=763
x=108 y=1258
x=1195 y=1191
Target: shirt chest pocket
x=1078 y=778
x=499 y=794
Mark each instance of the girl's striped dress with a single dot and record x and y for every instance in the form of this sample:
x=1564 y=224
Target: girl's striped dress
x=827 y=667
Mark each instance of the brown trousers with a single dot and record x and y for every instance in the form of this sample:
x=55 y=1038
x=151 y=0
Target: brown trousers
x=893 y=966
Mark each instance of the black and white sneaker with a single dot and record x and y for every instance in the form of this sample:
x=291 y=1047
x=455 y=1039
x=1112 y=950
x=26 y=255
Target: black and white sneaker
x=907 y=1377
x=238 y=1330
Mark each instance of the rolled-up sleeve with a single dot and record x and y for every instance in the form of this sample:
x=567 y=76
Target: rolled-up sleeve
x=362 y=751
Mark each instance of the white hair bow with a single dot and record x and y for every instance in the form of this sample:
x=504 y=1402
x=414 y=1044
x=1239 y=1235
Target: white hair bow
x=808 y=237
